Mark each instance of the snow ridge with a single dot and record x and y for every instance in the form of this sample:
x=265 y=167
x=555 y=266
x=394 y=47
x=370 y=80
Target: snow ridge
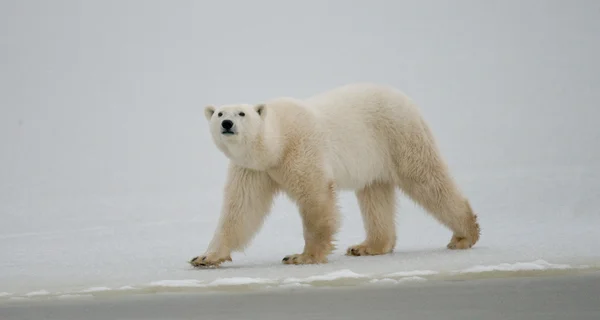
x=336 y=278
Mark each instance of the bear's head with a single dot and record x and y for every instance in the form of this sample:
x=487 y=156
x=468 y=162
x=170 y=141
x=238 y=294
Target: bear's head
x=237 y=129
x=236 y=122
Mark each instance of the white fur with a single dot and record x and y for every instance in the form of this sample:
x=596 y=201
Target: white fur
x=367 y=138
x=357 y=155
x=345 y=116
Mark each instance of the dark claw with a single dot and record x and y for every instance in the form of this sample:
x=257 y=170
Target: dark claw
x=354 y=251
x=193 y=260
x=203 y=258
x=286 y=259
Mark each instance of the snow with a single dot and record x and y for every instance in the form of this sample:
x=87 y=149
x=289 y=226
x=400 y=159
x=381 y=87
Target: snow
x=74 y=296
x=389 y=281
x=412 y=273
x=411 y=279
x=131 y=288
x=384 y=281
x=518 y=266
x=37 y=293
x=340 y=274
x=336 y=278
x=109 y=180
x=96 y=289
x=176 y=283
x=237 y=281
x=294 y=285
x=517 y=234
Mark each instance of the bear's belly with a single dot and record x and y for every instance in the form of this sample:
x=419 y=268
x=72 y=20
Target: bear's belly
x=354 y=169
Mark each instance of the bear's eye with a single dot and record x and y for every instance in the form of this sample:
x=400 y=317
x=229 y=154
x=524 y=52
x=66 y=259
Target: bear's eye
x=242 y=114
x=220 y=114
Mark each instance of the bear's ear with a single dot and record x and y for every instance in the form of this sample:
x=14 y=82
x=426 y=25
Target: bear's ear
x=209 y=111
x=260 y=109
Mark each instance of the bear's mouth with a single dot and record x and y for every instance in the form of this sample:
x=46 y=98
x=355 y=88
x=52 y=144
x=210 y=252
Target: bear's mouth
x=227 y=132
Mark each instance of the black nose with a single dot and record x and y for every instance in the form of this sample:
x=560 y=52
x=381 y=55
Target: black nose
x=227 y=124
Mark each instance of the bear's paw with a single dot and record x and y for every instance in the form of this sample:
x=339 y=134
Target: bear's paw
x=303 y=259
x=369 y=250
x=459 y=243
x=210 y=260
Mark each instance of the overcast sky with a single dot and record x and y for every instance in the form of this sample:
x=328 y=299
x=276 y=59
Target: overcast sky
x=106 y=96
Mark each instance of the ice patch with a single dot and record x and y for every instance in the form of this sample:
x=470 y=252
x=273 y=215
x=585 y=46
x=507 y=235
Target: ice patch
x=5 y=294
x=384 y=281
x=412 y=273
x=294 y=285
x=37 y=293
x=340 y=274
x=177 y=283
x=397 y=281
x=236 y=281
x=74 y=296
x=126 y=288
x=517 y=266
x=95 y=289
x=411 y=279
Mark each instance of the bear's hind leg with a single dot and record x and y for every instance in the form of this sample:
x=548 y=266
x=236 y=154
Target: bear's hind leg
x=439 y=196
x=459 y=241
x=377 y=203
x=424 y=176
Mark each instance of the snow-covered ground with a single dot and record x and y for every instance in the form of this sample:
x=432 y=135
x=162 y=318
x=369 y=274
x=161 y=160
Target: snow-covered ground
x=109 y=181
x=531 y=219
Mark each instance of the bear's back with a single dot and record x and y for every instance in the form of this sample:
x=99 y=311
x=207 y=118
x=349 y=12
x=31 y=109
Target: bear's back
x=358 y=122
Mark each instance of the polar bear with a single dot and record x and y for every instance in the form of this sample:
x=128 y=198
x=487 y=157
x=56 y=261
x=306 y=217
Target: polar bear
x=363 y=137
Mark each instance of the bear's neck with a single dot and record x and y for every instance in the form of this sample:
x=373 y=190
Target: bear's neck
x=262 y=153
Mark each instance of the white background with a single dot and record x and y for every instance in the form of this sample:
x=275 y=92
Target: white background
x=108 y=175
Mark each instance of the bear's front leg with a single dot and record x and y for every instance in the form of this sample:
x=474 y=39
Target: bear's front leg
x=317 y=203
x=247 y=200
